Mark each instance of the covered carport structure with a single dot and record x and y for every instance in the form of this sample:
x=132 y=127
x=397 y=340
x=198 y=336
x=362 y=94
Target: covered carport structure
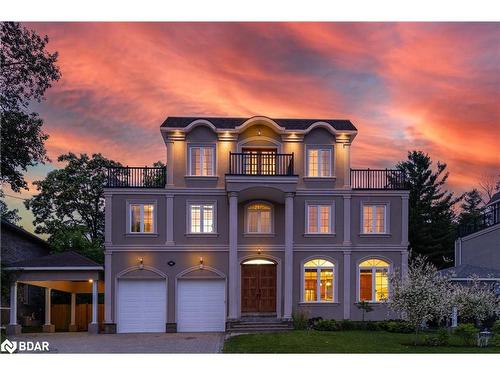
x=66 y=272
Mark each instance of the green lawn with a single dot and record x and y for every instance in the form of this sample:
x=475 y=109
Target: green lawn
x=340 y=342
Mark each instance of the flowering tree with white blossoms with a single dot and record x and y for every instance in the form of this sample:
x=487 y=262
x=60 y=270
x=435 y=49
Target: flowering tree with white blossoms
x=420 y=295
x=475 y=300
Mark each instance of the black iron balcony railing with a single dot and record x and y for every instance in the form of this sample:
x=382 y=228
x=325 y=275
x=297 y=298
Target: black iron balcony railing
x=488 y=218
x=378 y=179
x=136 y=177
x=260 y=164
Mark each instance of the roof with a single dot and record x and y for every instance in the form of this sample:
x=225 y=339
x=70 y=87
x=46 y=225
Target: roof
x=23 y=232
x=66 y=259
x=233 y=122
x=467 y=271
x=495 y=198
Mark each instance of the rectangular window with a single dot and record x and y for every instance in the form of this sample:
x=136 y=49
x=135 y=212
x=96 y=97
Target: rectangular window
x=201 y=218
x=202 y=161
x=142 y=218
x=319 y=218
x=319 y=162
x=326 y=285
x=374 y=219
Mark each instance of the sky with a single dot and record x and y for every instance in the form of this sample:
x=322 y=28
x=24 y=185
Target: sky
x=433 y=87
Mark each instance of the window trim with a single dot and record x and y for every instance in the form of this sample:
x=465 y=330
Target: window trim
x=246 y=232
x=335 y=280
x=190 y=146
x=358 y=280
x=190 y=203
x=332 y=217
x=330 y=149
x=386 y=218
x=142 y=202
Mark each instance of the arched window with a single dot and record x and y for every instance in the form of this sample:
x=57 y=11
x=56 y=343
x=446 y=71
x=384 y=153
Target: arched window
x=319 y=281
x=373 y=280
x=259 y=218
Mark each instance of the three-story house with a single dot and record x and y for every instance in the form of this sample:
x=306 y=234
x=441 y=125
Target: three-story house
x=252 y=217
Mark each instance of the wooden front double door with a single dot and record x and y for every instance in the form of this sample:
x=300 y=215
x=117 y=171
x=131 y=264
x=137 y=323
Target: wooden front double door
x=258 y=288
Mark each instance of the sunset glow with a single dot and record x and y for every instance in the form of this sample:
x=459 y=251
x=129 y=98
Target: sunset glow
x=428 y=86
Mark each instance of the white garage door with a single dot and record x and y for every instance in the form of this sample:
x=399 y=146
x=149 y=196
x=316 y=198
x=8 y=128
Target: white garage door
x=201 y=306
x=142 y=306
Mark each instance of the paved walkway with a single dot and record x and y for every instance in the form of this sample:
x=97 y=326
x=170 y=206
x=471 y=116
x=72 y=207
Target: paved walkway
x=83 y=342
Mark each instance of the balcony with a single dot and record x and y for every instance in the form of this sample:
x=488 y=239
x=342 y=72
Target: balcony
x=260 y=164
x=136 y=177
x=378 y=179
x=490 y=217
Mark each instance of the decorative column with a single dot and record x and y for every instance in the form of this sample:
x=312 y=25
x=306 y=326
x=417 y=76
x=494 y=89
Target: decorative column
x=404 y=220
x=347 y=220
x=347 y=165
x=288 y=290
x=48 y=327
x=233 y=256
x=13 y=328
x=170 y=162
x=93 y=325
x=72 y=324
x=347 y=284
x=170 y=219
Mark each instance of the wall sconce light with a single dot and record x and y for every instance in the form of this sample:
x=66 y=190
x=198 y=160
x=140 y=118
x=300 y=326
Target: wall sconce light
x=259 y=251
x=91 y=281
x=141 y=263
x=259 y=132
x=201 y=263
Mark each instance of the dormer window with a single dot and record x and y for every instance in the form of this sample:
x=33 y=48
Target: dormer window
x=202 y=160
x=319 y=161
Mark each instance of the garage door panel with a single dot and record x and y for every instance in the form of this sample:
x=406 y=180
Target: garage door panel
x=201 y=306
x=141 y=306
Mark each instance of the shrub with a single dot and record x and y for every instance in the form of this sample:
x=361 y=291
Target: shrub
x=299 y=320
x=467 y=333
x=373 y=326
x=311 y=323
x=399 y=327
x=327 y=325
x=347 y=325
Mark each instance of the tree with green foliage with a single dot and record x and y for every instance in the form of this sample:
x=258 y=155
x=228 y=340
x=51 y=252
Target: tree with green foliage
x=27 y=70
x=70 y=204
x=431 y=230
x=472 y=208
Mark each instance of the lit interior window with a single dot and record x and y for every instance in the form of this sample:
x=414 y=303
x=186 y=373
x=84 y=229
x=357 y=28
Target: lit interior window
x=373 y=280
x=319 y=281
x=319 y=218
x=374 y=219
x=202 y=218
x=259 y=218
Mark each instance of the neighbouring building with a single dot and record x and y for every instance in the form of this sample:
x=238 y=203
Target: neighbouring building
x=252 y=218
x=477 y=247
x=17 y=244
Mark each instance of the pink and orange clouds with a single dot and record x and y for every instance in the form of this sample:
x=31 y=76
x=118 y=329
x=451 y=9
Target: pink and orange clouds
x=429 y=86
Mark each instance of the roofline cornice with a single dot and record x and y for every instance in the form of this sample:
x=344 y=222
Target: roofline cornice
x=178 y=133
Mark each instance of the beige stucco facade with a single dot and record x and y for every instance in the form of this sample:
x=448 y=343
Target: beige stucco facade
x=171 y=253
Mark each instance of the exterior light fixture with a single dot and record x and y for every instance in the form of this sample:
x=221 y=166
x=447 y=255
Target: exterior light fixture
x=259 y=251
x=91 y=281
x=259 y=132
x=201 y=263
x=141 y=263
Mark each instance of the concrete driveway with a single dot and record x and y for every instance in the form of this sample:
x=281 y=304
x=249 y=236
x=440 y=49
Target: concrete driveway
x=83 y=342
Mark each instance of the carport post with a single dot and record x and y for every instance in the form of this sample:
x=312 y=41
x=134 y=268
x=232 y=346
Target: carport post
x=72 y=324
x=13 y=328
x=48 y=327
x=93 y=326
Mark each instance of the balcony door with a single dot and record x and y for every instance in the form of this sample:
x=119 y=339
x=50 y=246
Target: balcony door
x=259 y=161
